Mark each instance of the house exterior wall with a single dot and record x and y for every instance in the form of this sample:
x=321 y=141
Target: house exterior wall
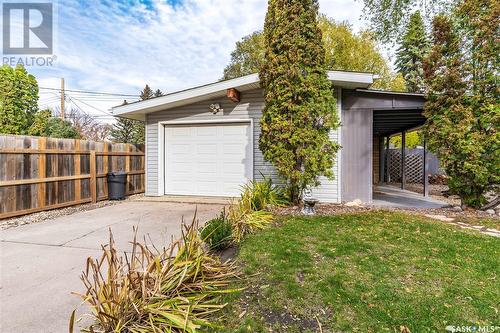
x=357 y=155
x=376 y=159
x=250 y=107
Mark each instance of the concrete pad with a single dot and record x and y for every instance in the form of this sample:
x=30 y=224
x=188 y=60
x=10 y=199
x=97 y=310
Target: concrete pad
x=41 y=263
x=440 y=217
x=390 y=196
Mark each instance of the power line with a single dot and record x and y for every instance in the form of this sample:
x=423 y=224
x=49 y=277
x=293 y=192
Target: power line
x=48 y=100
x=84 y=113
x=93 y=107
x=90 y=92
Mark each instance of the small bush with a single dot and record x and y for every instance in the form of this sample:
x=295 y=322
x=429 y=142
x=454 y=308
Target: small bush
x=173 y=290
x=217 y=232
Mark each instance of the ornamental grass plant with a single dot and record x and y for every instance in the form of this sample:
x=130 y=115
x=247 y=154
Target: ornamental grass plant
x=176 y=289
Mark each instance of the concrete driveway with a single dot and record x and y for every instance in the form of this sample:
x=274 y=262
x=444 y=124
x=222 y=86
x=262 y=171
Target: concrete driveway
x=41 y=263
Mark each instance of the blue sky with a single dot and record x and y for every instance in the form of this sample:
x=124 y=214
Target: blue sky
x=119 y=46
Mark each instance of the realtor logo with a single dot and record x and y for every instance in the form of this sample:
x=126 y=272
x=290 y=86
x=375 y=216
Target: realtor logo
x=27 y=28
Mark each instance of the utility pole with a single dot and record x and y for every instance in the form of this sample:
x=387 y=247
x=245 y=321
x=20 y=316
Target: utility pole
x=62 y=98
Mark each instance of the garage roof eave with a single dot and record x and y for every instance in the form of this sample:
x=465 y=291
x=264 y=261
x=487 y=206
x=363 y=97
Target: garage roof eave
x=138 y=110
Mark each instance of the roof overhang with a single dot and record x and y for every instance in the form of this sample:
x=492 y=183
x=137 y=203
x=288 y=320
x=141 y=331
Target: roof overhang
x=138 y=110
x=393 y=112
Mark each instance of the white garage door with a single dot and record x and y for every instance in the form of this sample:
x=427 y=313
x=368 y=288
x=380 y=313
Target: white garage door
x=208 y=160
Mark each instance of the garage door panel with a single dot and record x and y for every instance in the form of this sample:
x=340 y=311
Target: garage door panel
x=212 y=160
x=234 y=148
x=206 y=168
x=206 y=131
x=180 y=131
x=238 y=131
x=207 y=149
x=233 y=187
x=182 y=186
x=180 y=148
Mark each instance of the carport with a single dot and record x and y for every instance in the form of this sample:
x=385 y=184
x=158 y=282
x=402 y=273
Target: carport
x=369 y=119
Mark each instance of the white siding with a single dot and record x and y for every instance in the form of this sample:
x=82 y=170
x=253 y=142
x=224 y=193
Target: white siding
x=250 y=107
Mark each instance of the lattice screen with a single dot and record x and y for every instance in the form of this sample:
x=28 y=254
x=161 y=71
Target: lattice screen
x=414 y=164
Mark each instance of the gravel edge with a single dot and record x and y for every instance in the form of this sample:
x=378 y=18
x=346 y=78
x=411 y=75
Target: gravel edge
x=54 y=213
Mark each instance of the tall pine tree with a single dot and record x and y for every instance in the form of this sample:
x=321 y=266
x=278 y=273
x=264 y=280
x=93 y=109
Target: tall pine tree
x=146 y=93
x=412 y=52
x=300 y=109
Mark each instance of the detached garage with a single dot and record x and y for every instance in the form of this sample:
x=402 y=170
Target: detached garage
x=203 y=141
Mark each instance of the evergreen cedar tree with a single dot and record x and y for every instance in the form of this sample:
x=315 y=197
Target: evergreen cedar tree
x=411 y=53
x=300 y=109
x=463 y=99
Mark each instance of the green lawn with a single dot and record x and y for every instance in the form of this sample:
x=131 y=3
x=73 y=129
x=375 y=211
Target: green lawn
x=366 y=272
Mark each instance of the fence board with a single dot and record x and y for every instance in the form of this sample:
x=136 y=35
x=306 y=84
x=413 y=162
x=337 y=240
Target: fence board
x=38 y=173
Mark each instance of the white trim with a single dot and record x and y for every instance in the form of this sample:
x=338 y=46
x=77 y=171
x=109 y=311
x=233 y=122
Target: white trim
x=161 y=159
x=146 y=152
x=161 y=143
x=206 y=121
x=138 y=109
x=339 y=140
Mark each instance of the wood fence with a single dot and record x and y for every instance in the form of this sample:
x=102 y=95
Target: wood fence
x=38 y=173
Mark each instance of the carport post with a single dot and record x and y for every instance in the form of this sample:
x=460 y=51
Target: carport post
x=403 y=158
x=382 y=160
x=426 y=171
x=388 y=160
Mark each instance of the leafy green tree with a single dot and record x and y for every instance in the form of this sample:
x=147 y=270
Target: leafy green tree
x=412 y=52
x=348 y=51
x=388 y=18
x=58 y=128
x=462 y=106
x=345 y=50
x=300 y=109
x=18 y=99
x=46 y=125
x=247 y=57
x=413 y=139
x=158 y=93
x=40 y=123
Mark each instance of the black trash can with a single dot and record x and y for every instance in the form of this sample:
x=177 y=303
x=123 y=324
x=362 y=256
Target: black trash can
x=117 y=182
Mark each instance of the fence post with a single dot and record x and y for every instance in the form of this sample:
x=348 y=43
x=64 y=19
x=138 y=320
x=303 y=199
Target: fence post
x=105 y=167
x=93 y=176
x=42 y=172
x=78 y=182
x=127 y=168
